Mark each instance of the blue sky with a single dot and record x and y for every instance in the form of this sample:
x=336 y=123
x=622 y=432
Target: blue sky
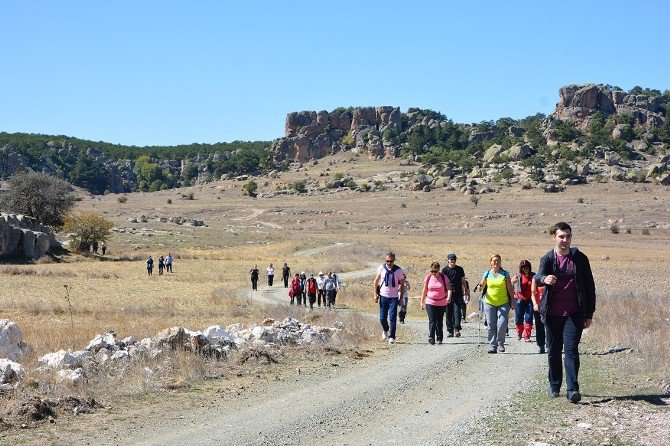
x=176 y=72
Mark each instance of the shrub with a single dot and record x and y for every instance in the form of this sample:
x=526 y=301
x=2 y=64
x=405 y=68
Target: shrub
x=580 y=200
x=122 y=199
x=645 y=231
x=614 y=228
x=474 y=199
x=403 y=205
x=169 y=201
x=39 y=195
x=298 y=186
x=86 y=228
x=188 y=196
x=250 y=188
x=350 y=183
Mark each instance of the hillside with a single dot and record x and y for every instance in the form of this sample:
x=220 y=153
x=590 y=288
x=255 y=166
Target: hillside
x=596 y=133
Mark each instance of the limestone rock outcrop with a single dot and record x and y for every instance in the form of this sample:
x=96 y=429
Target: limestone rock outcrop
x=24 y=237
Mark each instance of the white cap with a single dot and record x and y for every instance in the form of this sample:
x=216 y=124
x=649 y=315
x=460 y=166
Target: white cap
x=320 y=273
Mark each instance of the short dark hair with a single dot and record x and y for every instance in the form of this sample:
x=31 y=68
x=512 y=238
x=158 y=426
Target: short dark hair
x=390 y=254
x=561 y=226
x=524 y=264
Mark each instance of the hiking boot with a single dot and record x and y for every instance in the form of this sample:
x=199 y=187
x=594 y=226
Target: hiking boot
x=450 y=335
x=391 y=340
x=553 y=393
x=431 y=341
x=385 y=335
x=501 y=348
x=439 y=342
x=458 y=333
x=542 y=351
x=518 y=336
x=402 y=321
x=574 y=396
x=493 y=349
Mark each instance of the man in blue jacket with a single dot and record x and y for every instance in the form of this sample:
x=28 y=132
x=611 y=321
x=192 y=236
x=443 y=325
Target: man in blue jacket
x=568 y=303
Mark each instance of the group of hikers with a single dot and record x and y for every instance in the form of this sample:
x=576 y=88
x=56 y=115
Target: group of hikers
x=559 y=299
x=164 y=264
x=303 y=288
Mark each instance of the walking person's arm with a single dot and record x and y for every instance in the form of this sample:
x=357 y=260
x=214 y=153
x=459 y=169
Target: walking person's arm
x=424 y=293
x=533 y=295
x=375 y=284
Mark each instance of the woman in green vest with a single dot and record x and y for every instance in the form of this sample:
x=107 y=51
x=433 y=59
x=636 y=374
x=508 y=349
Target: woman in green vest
x=498 y=288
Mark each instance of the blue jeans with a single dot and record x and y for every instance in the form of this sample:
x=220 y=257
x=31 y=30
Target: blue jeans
x=563 y=335
x=496 y=318
x=388 y=309
x=523 y=311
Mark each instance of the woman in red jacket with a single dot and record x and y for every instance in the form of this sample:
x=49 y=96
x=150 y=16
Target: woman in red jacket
x=523 y=304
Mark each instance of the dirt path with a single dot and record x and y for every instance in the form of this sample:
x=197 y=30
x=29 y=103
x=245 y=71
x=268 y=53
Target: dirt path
x=414 y=394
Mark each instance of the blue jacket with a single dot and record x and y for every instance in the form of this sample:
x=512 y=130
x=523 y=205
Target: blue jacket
x=586 y=288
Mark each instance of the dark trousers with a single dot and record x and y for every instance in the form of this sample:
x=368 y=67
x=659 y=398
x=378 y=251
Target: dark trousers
x=435 y=318
x=388 y=314
x=330 y=294
x=564 y=334
x=254 y=284
x=285 y=281
x=539 y=330
x=168 y=267
x=312 y=299
x=454 y=314
x=270 y=280
x=321 y=295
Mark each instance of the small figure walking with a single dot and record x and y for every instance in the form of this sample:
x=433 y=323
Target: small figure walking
x=286 y=274
x=168 y=263
x=95 y=246
x=103 y=247
x=150 y=266
x=271 y=274
x=254 y=278
x=161 y=265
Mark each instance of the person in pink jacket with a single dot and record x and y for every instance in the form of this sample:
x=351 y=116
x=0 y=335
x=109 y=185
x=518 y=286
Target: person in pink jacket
x=434 y=298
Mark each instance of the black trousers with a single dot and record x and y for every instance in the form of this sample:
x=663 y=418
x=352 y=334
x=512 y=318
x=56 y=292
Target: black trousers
x=540 y=335
x=435 y=321
x=254 y=284
x=563 y=336
x=270 y=280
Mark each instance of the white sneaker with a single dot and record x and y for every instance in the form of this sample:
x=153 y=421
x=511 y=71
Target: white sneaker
x=385 y=335
x=391 y=341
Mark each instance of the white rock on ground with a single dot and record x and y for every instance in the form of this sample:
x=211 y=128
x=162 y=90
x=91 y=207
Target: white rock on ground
x=57 y=360
x=107 y=340
x=11 y=341
x=10 y=371
x=73 y=377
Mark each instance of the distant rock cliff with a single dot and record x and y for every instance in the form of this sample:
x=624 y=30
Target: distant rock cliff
x=23 y=236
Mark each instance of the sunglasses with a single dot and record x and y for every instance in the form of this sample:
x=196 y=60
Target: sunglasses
x=390 y=261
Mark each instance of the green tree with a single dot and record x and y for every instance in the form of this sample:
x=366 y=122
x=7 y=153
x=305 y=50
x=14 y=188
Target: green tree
x=250 y=188
x=39 y=195
x=87 y=227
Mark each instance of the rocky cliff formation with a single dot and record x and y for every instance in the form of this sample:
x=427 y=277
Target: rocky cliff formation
x=577 y=103
x=23 y=237
x=372 y=130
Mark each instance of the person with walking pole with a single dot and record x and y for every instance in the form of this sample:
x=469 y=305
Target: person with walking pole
x=567 y=307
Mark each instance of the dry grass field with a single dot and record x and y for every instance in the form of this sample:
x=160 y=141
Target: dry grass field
x=210 y=280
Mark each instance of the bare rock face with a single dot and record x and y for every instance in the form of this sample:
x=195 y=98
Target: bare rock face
x=12 y=346
x=578 y=102
x=23 y=236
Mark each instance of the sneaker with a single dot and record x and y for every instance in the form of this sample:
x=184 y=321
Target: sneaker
x=391 y=341
x=542 y=351
x=431 y=341
x=439 y=342
x=493 y=349
x=553 y=393
x=385 y=335
x=529 y=340
x=501 y=348
x=458 y=333
x=518 y=337
x=574 y=396
x=450 y=335
x=402 y=321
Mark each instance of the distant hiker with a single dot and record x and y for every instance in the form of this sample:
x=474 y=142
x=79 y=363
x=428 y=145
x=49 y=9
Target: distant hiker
x=168 y=263
x=271 y=274
x=338 y=285
x=459 y=290
x=161 y=265
x=523 y=304
x=540 y=334
x=391 y=278
x=294 y=291
x=329 y=286
x=285 y=274
x=103 y=247
x=95 y=246
x=568 y=303
x=303 y=289
x=404 y=300
x=435 y=297
x=311 y=290
x=498 y=290
x=150 y=265
x=254 y=278
x=321 y=291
